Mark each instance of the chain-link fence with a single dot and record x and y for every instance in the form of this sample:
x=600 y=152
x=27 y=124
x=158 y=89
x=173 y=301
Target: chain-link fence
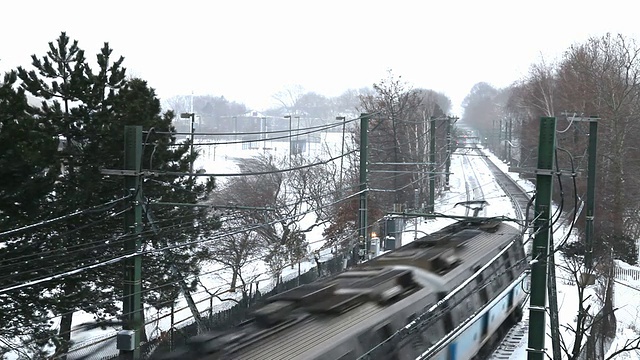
x=222 y=319
x=239 y=312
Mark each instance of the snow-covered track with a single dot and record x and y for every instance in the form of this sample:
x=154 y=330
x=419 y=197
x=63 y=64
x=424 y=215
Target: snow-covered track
x=472 y=184
x=519 y=197
x=513 y=340
x=516 y=335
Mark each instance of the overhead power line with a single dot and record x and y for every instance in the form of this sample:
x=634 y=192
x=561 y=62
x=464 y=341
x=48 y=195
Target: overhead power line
x=169 y=247
x=97 y=208
x=315 y=128
x=177 y=173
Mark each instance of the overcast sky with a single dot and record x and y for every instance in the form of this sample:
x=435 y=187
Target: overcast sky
x=249 y=50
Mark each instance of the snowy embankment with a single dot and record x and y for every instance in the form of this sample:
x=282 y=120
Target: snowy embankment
x=626 y=292
x=213 y=278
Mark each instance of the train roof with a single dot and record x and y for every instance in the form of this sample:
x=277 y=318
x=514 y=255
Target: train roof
x=308 y=321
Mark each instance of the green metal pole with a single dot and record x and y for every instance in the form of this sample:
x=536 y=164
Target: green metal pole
x=448 y=164
x=554 y=321
x=506 y=140
x=344 y=124
x=510 y=137
x=432 y=167
x=542 y=228
x=362 y=214
x=193 y=120
x=591 y=193
x=132 y=297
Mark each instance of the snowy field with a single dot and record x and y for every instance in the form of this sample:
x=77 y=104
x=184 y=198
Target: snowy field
x=220 y=159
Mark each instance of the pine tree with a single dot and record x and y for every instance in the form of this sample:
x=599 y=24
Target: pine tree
x=27 y=175
x=89 y=111
x=28 y=169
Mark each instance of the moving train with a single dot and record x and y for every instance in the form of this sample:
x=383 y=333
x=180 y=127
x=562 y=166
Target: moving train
x=445 y=296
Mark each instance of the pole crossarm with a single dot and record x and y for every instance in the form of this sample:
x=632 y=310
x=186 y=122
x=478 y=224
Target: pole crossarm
x=401 y=163
x=127 y=172
x=230 y=207
x=456 y=217
x=543 y=171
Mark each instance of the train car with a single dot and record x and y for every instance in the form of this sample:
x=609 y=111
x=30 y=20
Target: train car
x=444 y=296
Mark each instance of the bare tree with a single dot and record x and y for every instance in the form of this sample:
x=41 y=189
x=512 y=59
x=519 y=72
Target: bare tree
x=540 y=87
x=235 y=251
x=393 y=137
x=602 y=77
x=481 y=110
x=297 y=204
x=289 y=97
x=594 y=326
x=178 y=104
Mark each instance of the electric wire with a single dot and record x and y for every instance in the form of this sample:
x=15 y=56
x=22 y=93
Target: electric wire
x=318 y=128
x=83 y=247
x=152 y=179
x=123 y=257
x=28 y=257
x=111 y=242
x=256 y=280
x=92 y=209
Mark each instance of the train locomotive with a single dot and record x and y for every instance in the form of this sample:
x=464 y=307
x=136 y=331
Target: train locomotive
x=444 y=296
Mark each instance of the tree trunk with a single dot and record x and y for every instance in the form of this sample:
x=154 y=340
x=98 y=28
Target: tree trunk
x=65 y=334
x=143 y=331
x=234 y=280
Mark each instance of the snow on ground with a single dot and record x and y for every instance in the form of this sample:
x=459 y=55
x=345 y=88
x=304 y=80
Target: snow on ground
x=626 y=289
x=219 y=159
x=216 y=159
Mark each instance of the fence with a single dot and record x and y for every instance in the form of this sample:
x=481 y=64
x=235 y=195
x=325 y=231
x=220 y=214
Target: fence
x=626 y=273
x=224 y=317
x=221 y=320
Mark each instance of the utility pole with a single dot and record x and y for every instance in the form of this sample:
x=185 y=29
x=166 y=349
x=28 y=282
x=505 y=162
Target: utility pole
x=591 y=193
x=191 y=115
x=506 y=140
x=362 y=214
x=235 y=127
x=448 y=164
x=510 y=137
x=498 y=148
x=344 y=123
x=554 y=321
x=290 y=136
x=129 y=338
x=493 y=136
x=542 y=229
x=416 y=206
x=297 y=142
x=432 y=166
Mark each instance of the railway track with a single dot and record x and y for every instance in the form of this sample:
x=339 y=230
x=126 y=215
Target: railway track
x=472 y=185
x=516 y=335
x=514 y=340
x=519 y=197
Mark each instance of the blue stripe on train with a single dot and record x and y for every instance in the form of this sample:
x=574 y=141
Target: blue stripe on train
x=452 y=351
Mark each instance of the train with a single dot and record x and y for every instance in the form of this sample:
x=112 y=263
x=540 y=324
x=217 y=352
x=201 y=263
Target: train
x=446 y=296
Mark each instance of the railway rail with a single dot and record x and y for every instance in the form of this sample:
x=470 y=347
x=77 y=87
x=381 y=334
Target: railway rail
x=516 y=335
x=519 y=197
x=472 y=185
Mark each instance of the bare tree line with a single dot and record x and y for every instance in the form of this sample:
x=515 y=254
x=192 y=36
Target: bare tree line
x=597 y=78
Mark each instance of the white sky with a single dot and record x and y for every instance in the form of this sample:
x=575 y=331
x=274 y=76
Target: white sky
x=249 y=50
